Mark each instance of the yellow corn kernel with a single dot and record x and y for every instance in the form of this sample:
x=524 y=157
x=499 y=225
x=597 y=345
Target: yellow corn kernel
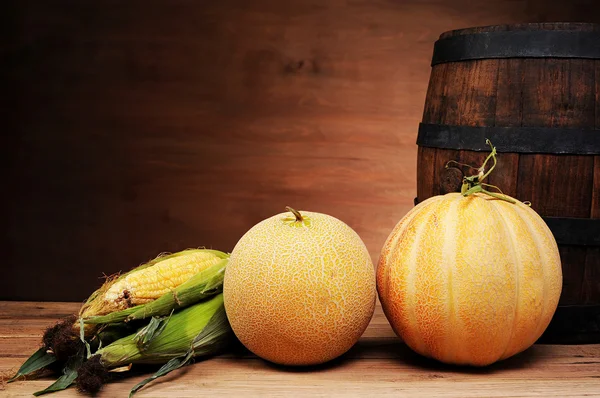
x=150 y=283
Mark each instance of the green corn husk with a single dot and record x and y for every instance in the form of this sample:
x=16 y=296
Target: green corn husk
x=201 y=329
x=155 y=327
x=110 y=333
x=68 y=377
x=37 y=361
x=176 y=338
x=202 y=285
x=214 y=337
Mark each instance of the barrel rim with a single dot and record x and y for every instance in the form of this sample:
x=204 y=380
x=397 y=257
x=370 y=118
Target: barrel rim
x=579 y=44
x=516 y=27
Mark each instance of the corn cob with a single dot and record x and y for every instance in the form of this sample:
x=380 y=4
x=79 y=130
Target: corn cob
x=149 y=281
x=198 y=330
x=62 y=341
x=200 y=286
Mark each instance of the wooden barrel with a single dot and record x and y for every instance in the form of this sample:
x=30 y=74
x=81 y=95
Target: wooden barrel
x=534 y=91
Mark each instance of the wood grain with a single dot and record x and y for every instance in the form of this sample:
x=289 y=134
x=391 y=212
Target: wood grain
x=549 y=92
x=379 y=365
x=509 y=113
x=592 y=261
x=565 y=97
x=139 y=127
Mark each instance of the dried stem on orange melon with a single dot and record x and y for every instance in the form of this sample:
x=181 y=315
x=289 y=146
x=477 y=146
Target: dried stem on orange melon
x=474 y=184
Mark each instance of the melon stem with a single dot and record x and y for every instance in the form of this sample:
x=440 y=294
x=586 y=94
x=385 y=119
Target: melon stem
x=475 y=184
x=296 y=213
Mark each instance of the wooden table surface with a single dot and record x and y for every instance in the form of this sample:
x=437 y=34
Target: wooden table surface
x=379 y=365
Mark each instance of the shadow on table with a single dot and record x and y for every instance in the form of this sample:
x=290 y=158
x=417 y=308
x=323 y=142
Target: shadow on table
x=394 y=349
x=239 y=352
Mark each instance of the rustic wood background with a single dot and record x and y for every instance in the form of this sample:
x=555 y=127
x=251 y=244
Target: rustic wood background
x=136 y=127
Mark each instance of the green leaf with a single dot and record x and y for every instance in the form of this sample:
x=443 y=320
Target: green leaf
x=82 y=338
x=214 y=336
x=68 y=377
x=38 y=360
x=144 y=337
x=167 y=368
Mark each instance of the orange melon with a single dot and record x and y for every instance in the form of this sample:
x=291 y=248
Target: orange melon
x=299 y=288
x=469 y=280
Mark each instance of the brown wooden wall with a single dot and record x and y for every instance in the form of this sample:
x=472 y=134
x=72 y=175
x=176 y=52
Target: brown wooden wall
x=136 y=127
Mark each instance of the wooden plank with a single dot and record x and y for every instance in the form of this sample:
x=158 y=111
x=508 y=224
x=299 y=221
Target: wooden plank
x=425 y=173
x=469 y=94
x=456 y=82
x=349 y=377
x=435 y=103
x=556 y=83
x=509 y=113
x=479 y=104
x=32 y=309
x=18 y=346
x=591 y=277
x=459 y=94
x=560 y=94
x=34 y=327
x=378 y=365
x=469 y=98
x=564 y=97
x=476 y=100
x=146 y=126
